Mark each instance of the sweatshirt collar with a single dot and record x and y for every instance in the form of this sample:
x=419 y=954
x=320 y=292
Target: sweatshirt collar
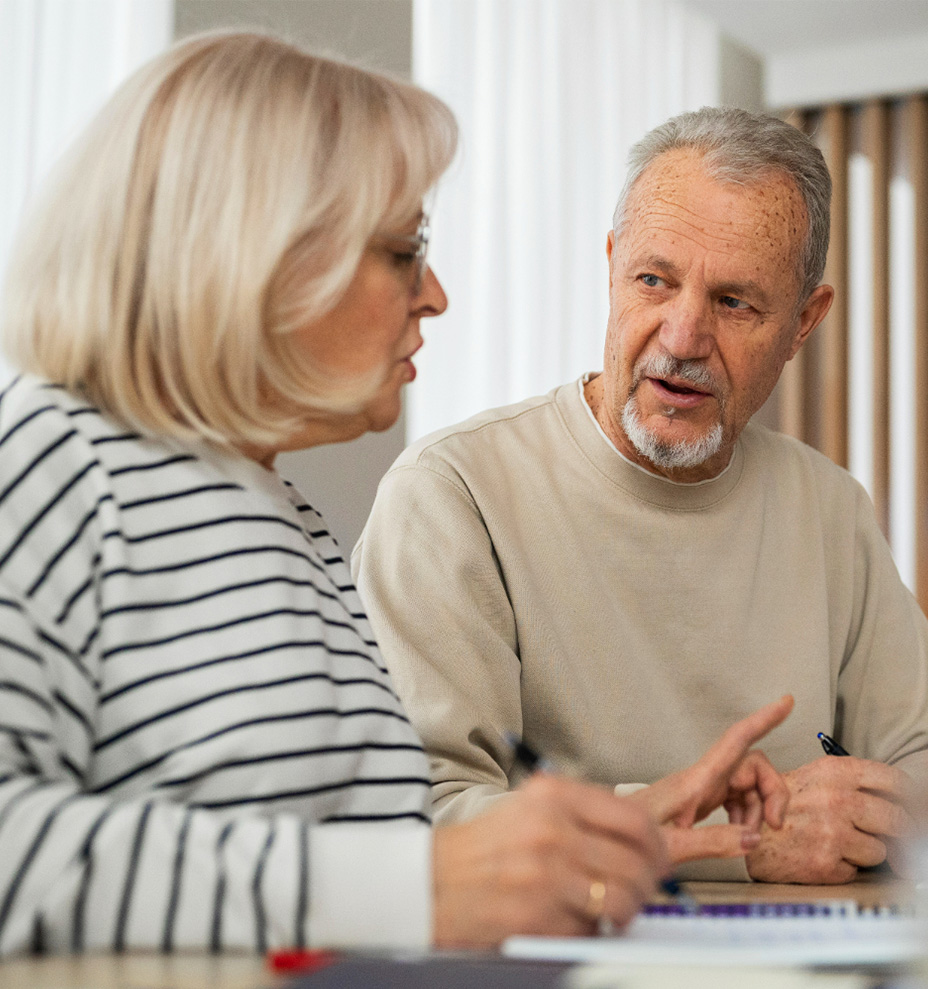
x=605 y=457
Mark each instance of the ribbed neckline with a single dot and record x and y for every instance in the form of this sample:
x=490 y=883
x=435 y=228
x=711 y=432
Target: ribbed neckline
x=605 y=458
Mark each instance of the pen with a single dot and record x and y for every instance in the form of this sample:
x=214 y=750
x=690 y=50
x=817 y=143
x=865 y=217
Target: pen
x=684 y=901
x=830 y=746
x=527 y=757
x=531 y=761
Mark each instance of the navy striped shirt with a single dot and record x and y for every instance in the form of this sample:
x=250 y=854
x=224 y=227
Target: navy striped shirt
x=188 y=682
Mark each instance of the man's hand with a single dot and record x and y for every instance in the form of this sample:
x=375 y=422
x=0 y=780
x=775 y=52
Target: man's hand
x=530 y=864
x=841 y=812
x=729 y=775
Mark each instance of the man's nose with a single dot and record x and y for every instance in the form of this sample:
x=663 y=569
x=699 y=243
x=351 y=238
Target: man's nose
x=687 y=331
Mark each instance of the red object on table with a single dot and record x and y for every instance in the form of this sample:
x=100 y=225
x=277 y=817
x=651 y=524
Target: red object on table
x=300 y=961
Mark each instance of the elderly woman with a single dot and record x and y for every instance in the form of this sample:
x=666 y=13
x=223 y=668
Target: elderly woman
x=199 y=743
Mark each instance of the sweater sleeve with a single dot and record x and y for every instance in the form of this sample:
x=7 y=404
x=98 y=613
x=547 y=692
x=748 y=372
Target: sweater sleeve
x=882 y=702
x=82 y=871
x=90 y=863
x=439 y=607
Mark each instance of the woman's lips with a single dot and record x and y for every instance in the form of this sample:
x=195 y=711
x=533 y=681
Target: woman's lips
x=408 y=365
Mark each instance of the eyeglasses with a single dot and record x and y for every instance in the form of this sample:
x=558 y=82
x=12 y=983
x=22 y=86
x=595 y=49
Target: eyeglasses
x=419 y=246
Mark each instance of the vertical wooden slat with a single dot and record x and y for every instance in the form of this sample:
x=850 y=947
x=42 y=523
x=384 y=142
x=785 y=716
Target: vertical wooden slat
x=876 y=147
x=812 y=362
x=834 y=330
x=813 y=396
x=916 y=117
x=791 y=390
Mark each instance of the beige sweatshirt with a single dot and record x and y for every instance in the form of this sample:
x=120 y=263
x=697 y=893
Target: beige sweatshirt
x=522 y=576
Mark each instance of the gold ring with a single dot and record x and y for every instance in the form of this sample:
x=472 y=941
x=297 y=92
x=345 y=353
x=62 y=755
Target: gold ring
x=596 y=902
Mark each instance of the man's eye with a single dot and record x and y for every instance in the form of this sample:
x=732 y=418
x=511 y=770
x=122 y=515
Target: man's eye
x=652 y=281
x=732 y=303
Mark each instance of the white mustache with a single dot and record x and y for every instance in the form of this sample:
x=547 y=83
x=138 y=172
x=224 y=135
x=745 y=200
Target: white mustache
x=665 y=366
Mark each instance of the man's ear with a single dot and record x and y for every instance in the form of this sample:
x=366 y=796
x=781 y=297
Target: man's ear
x=610 y=247
x=813 y=312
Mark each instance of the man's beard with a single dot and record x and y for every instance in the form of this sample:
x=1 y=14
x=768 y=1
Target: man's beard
x=681 y=453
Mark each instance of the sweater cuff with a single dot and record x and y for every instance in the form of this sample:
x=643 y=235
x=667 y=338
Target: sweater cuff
x=732 y=870
x=627 y=789
x=370 y=886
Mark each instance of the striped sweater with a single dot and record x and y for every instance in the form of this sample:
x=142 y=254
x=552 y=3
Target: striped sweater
x=188 y=687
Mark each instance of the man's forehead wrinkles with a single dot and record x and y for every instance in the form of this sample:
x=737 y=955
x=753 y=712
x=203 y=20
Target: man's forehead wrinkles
x=670 y=227
x=663 y=233
x=666 y=215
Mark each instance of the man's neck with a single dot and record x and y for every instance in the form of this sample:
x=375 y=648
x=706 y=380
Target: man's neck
x=594 y=395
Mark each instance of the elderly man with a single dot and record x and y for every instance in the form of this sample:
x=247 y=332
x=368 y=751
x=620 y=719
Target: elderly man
x=618 y=570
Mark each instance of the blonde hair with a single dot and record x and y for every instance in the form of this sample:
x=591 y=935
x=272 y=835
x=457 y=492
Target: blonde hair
x=221 y=199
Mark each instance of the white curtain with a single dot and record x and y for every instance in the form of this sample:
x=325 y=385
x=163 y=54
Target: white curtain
x=905 y=499
x=903 y=318
x=549 y=94
x=59 y=60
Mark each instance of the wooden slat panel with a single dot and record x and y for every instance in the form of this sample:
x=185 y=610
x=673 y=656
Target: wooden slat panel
x=834 y=331
x=876 y=147
x=791 y=389
x=813 y=358
x=916 y=117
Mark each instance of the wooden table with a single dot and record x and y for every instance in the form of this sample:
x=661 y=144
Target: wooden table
x=138 y=971
x=198 y=971
x=870 y=890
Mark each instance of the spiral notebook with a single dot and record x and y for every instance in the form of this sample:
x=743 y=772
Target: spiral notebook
x=832 y=933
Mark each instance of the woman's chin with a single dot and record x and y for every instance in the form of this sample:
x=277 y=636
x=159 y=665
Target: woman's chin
x=382 y=414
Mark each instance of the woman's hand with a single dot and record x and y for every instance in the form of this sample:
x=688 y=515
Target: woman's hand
x=537 y=861
x=534 y=864
x=730 y=776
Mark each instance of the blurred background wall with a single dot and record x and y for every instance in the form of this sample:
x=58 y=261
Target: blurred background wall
x=549 y=94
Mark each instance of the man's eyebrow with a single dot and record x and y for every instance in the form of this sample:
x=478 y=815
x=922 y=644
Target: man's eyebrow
x=654 y=262
x=747 y=287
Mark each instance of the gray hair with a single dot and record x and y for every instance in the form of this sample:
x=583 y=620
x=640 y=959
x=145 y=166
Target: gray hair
x=745 y=147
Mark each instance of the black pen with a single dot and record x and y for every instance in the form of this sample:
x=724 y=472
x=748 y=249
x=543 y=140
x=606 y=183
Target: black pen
x=830 y=746
x=526 y=756
x=531 y=761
